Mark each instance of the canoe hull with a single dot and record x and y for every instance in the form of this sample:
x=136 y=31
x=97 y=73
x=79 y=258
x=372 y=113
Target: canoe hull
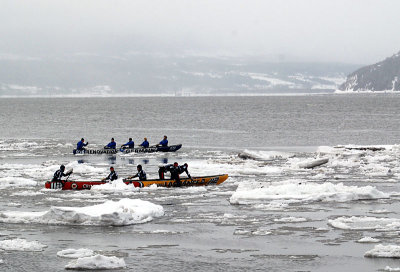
x=152 y=149
x=86 y=185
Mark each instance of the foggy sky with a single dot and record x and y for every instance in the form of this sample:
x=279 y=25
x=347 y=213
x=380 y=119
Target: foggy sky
x=350 y=31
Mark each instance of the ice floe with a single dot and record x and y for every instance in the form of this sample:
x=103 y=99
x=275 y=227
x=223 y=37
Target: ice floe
x=384 y=251
x=16 y=182
x=300 y=191
x=290 y=219
x=391 y=269
x=368 y=240
x=21 y=245
x=96 y=262
x=119 y=213
x=75 y=253
x=365 y=223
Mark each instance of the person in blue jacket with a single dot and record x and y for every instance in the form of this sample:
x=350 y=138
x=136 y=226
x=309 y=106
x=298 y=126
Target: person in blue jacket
x=164 y=142
x=130 y=144
x=111 y=145
x=145 y=143
x=81 y=144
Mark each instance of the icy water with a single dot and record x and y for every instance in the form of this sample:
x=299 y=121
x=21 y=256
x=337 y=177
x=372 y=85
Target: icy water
x=272 y=214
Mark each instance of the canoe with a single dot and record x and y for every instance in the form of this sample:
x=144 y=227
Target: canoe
x=86 y=185
x=151 y=149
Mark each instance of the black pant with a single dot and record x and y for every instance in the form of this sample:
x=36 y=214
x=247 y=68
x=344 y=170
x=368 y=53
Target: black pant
x=161 y=172
x=175 y=177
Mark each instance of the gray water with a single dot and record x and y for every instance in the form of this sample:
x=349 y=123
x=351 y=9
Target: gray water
x=212 y=130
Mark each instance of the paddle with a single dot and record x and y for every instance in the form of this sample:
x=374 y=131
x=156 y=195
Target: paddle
x=69 y=172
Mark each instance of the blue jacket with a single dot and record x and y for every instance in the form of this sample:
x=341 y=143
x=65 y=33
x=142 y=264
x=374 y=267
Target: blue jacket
x=80 y=145
x=130 y=144
x=164 y=142
x=112 y=145
x=145 y=144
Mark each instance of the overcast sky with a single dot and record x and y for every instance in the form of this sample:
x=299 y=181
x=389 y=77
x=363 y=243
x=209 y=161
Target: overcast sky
x=351 y=31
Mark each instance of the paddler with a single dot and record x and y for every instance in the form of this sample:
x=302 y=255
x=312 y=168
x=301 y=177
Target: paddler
x=60 y=173
x=140 y=173
x=184 y=168
x=145 y=143
x=175 y=171
x=129 y=144
x=164 y=142
x=81 y=144
x=112 y=176
x=111 y=145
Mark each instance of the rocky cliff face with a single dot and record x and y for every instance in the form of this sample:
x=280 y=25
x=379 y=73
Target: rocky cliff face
x=382 y=76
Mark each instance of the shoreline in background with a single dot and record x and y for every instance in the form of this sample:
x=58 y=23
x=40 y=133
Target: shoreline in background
x=205 y=95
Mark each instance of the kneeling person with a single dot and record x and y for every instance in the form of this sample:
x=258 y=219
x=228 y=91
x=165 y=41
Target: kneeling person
x=60 y=173
x=141 y=173
x=112 y=176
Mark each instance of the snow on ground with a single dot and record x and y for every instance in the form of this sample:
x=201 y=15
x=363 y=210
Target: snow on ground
x=75 y=253
x=300 y=191
x=21 y=245
x=120 y=213
x=365 y=223
x=96 y=262
x=382 y=251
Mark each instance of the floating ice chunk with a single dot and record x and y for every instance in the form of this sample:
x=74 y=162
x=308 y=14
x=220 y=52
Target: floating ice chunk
x=1 y=261
x=263 y=155
x=114 y=186
x=313 y=163
x=120 y=213
x=96 y=262
x=21 y=245
x=16 y=182
x=382 y=251
x=27 y=193
x=75 y=253
x=290 y=219
x=365 y=223
x=296 y=191
x=368 y=240
x=380 y=211
x=388 y=268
